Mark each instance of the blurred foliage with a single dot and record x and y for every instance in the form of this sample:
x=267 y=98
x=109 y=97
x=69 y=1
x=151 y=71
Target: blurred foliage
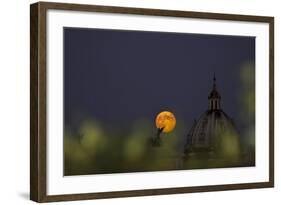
x=247 y=116
x=94 y=150
x=247 y=76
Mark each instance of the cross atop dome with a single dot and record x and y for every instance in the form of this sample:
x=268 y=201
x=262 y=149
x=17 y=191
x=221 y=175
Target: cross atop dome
x=214 y=81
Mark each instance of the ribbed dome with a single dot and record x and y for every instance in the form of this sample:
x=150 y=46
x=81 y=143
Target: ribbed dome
x=210 y=126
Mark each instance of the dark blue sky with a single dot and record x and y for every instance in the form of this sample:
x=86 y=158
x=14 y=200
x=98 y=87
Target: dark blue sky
x=118 y=77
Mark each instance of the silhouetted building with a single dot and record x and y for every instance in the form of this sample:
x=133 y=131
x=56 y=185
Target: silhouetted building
x=208 y=132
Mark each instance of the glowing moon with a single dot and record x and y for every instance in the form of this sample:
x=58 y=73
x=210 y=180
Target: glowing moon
x=165 y=120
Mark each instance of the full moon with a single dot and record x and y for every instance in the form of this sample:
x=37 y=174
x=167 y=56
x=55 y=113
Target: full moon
x=165 y=120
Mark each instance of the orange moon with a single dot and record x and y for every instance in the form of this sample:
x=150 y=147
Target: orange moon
x=165 y=120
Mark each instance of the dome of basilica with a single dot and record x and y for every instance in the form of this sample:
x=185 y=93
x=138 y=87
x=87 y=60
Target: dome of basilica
x=207 y=133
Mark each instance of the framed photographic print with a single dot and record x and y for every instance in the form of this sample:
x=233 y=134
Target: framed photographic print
x=133 y=102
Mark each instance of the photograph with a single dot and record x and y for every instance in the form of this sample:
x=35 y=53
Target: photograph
x=144 y=101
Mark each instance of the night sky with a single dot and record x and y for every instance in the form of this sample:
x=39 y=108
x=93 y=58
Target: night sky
x=118 y=77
